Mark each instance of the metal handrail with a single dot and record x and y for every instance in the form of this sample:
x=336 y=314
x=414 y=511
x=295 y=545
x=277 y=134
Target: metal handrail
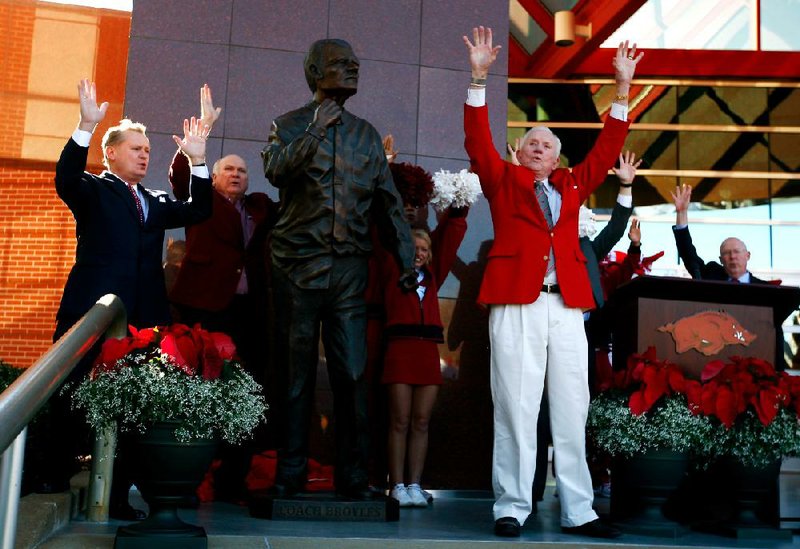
x=29 y=392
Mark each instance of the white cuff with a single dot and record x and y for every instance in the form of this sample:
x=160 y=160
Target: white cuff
x=620 y=112
x=476 y=97
x=200 y=171
x=625 y=200
x=81 y=137
x=679 y=227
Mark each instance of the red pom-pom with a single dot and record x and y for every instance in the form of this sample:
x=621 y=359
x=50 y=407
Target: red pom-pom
x=414 y=184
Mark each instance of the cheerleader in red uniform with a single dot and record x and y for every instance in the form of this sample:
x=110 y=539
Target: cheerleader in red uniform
x=411 y=370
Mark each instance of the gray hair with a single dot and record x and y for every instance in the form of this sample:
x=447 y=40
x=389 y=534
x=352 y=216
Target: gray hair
x=546 y=130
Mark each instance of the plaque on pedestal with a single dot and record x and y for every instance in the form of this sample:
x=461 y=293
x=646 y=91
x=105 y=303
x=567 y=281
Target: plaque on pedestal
x=324 y=506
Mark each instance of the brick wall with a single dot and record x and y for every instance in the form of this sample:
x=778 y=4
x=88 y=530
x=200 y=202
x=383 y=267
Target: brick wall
x=35 y=256
x=16 y=24
x=37 y=232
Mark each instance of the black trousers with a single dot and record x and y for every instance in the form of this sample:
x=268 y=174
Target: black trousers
x=245 y=320
x=340 y=312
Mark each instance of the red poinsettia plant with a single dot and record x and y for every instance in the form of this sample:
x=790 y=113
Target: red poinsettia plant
x=743 y=408
x=194 y=351
x=650 y=380
x=188 y=376
x=646 y=409
x=729 y=389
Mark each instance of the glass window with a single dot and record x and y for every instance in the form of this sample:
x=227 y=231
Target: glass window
x=681 y=25
x=779 y=19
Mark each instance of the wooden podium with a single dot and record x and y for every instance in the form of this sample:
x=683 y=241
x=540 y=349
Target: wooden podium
x=691 y=322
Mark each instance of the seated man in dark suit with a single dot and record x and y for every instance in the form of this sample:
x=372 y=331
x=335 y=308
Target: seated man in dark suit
x=120 y=237
x=222 y=281
x=733 y=253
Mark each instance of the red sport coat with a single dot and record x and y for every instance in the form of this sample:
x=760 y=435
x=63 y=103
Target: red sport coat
x=517 y=261
x=215 y=251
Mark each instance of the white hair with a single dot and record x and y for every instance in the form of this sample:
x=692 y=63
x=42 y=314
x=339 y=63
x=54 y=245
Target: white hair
x=546 y=130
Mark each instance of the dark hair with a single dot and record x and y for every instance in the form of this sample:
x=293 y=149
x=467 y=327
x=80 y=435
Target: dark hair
x=314 y=58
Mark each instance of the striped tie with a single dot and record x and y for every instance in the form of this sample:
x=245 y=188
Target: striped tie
x=544 y=204
x=132 y=189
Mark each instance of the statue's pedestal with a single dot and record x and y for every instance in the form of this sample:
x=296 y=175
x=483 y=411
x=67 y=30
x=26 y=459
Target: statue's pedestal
x=324 y=506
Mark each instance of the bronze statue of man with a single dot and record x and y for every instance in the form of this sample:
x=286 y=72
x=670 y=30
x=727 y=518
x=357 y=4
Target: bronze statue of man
x=334 y=181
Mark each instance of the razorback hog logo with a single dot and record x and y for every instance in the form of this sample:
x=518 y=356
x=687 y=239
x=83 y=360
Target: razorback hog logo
x=707 y=332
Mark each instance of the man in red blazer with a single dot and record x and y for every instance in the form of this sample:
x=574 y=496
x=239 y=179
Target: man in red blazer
x=222 y=282
x=535 y=285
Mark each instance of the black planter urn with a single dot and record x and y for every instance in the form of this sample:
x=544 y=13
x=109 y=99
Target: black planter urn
x=642 y=485
x=167 y=473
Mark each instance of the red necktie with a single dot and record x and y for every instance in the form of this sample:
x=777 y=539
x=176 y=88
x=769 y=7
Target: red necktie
x=138 y=203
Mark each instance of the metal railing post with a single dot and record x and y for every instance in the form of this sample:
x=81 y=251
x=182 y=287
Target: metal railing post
x=10 y=481
x=105 y=446
x=30 y=391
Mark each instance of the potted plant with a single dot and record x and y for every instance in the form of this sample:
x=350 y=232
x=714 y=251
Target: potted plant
x=754 y=408
x=645 y=424
x=647 y=409
x=735 y=423
x=186 y=376
x=755 y=412
x=179 y=390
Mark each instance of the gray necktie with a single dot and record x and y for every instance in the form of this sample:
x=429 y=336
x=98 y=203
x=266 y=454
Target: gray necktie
x=544 y=204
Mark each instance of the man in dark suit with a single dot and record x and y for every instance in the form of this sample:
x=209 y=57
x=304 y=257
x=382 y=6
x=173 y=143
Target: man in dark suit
x=222 y=284
x=733 y=254
x=120 y=224
x=119 y=228
x=536 y=284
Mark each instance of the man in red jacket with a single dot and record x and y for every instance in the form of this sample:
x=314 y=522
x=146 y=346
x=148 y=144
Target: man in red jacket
x=222 y=282
x=536 y=284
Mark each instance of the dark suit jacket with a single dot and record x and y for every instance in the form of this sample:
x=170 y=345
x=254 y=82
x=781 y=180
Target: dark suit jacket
x=115 y=253
x=517 y=262
x=697 y=267
x=215 y=250
x=596 y=249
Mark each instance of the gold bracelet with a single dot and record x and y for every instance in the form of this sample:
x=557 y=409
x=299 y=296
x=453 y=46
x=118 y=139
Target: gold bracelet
x=620 y=97
x=477 y=81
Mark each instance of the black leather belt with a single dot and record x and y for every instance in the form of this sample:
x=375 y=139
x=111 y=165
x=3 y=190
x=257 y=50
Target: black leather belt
x=551 y=289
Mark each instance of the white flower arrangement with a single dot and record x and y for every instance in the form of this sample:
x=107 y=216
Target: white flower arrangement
x=455 y=190
x=671 y=426
x=172 y=373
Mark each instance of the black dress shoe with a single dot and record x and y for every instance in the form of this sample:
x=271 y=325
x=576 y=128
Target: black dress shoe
x=593 y=529
x=507 y=527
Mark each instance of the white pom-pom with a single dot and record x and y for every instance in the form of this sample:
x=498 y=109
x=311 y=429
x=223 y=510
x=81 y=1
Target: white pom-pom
x=587 y=225
x=454 y=189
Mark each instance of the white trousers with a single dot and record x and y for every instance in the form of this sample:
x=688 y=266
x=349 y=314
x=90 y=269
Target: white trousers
x=543 y=342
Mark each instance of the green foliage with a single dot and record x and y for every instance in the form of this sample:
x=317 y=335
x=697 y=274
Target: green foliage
x=8 y=374
x=152 y=389
x=757 y=445
x=667 y=426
